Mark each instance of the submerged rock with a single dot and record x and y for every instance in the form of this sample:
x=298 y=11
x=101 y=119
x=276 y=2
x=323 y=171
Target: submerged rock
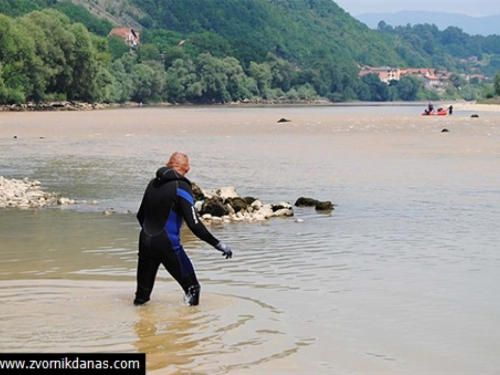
x=318 y=205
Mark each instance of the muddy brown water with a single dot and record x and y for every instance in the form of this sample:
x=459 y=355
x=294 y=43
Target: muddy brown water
x=401 y=278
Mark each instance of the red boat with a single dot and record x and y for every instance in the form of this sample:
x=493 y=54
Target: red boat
x=439 y=112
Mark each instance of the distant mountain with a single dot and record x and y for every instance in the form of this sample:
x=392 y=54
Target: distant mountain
x=471 y=25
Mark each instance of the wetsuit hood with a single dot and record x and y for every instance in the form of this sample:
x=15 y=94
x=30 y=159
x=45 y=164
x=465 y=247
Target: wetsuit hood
x=166 y=174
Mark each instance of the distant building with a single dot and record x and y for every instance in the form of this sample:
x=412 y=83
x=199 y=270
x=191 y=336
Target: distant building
x=385 y=74
x=432 y=79
x=478 y=77
x=129 y=35
x=422 y=72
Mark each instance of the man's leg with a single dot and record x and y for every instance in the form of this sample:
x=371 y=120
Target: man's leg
x=180 y=267
x=147 y=269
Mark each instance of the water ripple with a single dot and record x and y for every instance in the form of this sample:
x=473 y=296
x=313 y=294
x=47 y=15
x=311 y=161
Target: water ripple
x=223 y=333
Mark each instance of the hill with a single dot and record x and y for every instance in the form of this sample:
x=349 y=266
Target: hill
x=217 y=51
x=470 y=25
x=299 y=31
x=118 y=12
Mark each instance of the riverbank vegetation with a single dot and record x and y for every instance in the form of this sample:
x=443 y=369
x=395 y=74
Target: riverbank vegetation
x=255 y=50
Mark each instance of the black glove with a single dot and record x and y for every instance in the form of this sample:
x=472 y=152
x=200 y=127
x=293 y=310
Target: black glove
x=226 y=250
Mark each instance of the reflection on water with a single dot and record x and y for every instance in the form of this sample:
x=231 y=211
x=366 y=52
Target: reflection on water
x=401 y=278
x=97 y=316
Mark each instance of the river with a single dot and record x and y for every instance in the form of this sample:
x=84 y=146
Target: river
x=401 y=278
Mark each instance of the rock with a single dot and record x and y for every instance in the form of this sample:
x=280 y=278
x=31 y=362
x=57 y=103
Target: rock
x=64 y=201
x=225 y=205
x=53 y=106
x=238 y=204
x=305 y=202
x=256 y=204
x=284 y=120
x=197 y=192
x=214 y=206
x=227 y=192
x=28 y=194
x=324 y=206
x=318 y=205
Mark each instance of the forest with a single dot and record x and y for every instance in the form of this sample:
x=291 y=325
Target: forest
x=233 y=51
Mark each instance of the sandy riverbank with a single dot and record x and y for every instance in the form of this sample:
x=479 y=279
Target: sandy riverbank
x=107 y=123
x=473 y=106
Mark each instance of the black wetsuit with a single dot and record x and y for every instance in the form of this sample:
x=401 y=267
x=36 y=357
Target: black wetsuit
x=167 y=202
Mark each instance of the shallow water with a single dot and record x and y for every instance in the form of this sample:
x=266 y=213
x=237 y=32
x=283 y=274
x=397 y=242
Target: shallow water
x=401 y=278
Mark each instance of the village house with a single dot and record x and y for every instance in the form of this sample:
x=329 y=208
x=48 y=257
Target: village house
x=129 y=35
x=385 y=74
x=478 y=77
x=432 y=79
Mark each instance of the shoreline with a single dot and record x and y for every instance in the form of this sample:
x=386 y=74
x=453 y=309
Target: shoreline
x=81 y=106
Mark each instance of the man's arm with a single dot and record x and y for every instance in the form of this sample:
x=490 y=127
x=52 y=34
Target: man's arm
x=186 y=203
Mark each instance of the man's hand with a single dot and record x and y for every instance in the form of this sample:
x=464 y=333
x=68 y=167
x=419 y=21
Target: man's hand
x=226 y=250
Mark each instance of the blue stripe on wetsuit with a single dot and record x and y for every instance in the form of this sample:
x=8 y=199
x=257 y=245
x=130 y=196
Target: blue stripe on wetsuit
x=173 y=228
x=184 y=194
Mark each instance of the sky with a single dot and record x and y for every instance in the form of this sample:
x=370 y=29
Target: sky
x=469 y=7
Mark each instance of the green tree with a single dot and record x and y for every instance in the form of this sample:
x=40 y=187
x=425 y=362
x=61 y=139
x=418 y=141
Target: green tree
x=408 y=87
x=55 y=45
x=15 y=8
x=17 y=58
x=78 y=14
x=182 y=83
x=238 y=85
x=496 y=84
x=148 y=52
x=458 y=80
x=121 y=85
x=262 y=75
x=117 y=47
x=283 y=73
x=379 y=91
x=85 y=66
x=213 y=78
x=148 y=82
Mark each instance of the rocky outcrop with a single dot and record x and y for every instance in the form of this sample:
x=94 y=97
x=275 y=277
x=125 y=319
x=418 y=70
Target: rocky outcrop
x=52 y=106
x=225 y=205
x=215 y=206
x=318 y=205
x=27 y=193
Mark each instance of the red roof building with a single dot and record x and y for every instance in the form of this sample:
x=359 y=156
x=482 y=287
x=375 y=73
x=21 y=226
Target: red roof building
x=129 y=35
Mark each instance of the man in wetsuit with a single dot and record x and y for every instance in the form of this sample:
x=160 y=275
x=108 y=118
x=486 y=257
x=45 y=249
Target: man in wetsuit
x=167 y=202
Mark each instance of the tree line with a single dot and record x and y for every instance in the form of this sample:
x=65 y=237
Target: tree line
x=446 y=49
x=44 y=56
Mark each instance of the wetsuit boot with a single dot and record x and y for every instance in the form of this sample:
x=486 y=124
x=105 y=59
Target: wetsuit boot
x=141 y=296
x=192 y=297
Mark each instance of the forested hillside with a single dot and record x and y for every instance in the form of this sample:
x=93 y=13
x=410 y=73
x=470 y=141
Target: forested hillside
x=302 y=31
x=448 y=49
x=217 y=51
